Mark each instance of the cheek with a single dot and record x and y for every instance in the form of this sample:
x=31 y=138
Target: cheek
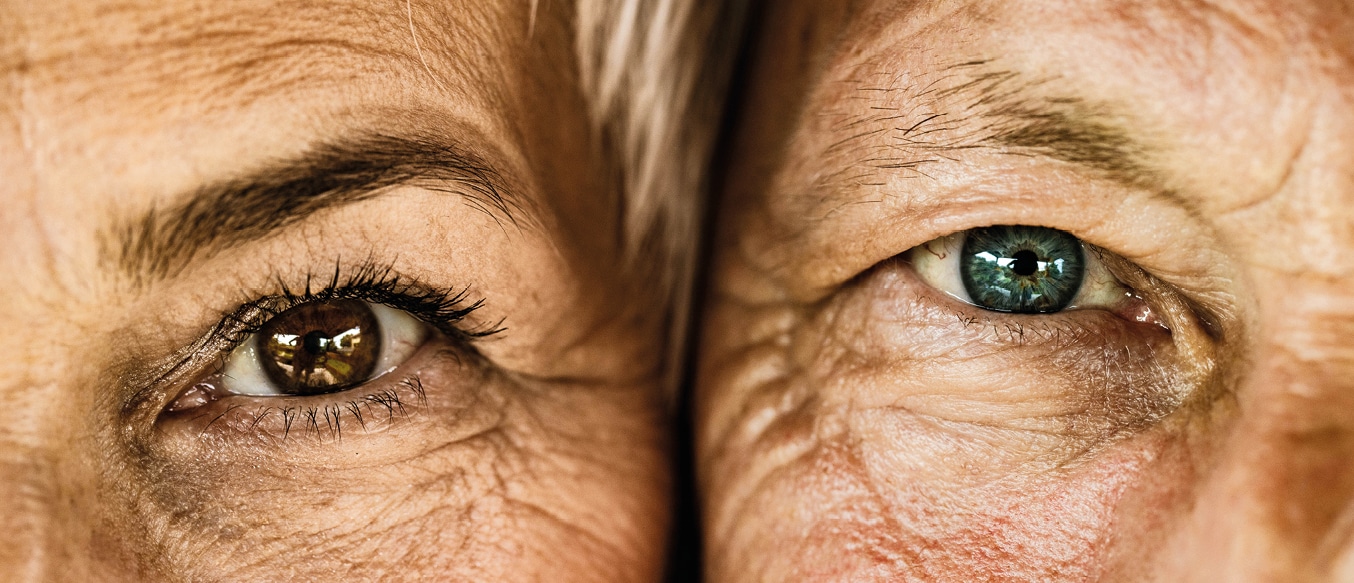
x=826 y=516
x=489 y=480
x=1063 y=525
x=915 y=443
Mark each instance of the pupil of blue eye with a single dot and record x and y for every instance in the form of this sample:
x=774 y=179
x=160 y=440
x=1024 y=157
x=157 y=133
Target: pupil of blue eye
x=1021 y=269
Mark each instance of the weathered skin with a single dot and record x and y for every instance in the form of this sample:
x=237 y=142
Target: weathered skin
x=542 y=458
x=855 y=424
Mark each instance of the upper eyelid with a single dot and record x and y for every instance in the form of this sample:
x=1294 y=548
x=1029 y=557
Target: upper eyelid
x=360 y=284
x=811 y=261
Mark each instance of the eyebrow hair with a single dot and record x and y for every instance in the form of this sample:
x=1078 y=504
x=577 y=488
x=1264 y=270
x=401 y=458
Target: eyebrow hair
x=162 y=241
x=973 y=105
x=1067 y=129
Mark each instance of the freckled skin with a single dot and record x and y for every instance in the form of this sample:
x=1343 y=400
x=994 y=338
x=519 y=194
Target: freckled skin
x=856 y=424
x=538 y=455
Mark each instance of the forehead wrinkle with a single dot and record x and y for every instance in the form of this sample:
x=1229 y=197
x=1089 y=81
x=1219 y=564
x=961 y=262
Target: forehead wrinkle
x=900 y=108
x=232 y=54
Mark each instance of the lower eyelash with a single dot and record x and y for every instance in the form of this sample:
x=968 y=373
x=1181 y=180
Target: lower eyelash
x=366 y=411
x=1004 y=328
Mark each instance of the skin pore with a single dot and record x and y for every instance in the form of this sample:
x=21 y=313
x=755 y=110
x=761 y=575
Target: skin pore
x=857 y=422
x=175 y=173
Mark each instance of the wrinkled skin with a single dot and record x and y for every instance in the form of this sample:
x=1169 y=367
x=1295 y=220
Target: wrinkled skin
x=533 y=454
x=857 y=424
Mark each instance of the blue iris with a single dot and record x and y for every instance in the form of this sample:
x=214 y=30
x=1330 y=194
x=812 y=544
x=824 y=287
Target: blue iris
x=1021 y=269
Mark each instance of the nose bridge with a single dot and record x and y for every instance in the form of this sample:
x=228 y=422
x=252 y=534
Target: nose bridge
x=1314 y=366
x=29 y=398
x=25 y=509
x=1279 y=505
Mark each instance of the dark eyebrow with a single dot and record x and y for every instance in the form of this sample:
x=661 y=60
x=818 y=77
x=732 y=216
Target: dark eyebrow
x=218 y=216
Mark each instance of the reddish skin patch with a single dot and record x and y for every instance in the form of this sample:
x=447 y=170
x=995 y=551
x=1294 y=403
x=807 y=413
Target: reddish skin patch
x=198 y=395
x=1057 y=526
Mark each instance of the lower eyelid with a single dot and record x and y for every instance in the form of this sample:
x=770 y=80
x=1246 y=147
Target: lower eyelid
x=371 y=406
x=1089 y=368
x=918 y=303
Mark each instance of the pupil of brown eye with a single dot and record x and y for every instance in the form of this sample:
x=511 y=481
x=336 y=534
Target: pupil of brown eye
x=320 y=347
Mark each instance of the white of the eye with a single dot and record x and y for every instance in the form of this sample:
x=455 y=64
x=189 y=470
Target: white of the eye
x=1099 y=287
x=401 y=335
x=937 y=263
x=244 y=374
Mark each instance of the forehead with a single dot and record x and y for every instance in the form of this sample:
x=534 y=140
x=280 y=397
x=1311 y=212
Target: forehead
x=1242 y=80
x=238 y=49
x=84 y=68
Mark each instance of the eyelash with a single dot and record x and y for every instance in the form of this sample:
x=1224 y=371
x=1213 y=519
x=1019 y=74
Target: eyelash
x=311 y=416
x=445 y=309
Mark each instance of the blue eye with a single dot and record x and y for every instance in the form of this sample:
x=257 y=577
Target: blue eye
x=1021 y=269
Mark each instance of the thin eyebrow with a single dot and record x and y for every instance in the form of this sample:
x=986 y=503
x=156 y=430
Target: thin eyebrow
x=161 y=241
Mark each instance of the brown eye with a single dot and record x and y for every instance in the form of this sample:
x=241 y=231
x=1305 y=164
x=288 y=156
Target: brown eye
x=320 y=347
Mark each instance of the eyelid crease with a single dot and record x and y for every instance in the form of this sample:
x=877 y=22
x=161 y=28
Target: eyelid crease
x=442 y=308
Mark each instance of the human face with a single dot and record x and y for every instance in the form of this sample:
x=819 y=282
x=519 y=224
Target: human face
x=861 y=417
x=176 y=174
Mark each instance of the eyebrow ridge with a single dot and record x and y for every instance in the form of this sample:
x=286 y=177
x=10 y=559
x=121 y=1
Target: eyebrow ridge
x=1066 y=129
x=162 y=241
x=971 y=105
x=1011 y=111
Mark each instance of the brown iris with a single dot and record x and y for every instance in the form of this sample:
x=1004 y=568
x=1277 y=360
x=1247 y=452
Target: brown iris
x=320 y=347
